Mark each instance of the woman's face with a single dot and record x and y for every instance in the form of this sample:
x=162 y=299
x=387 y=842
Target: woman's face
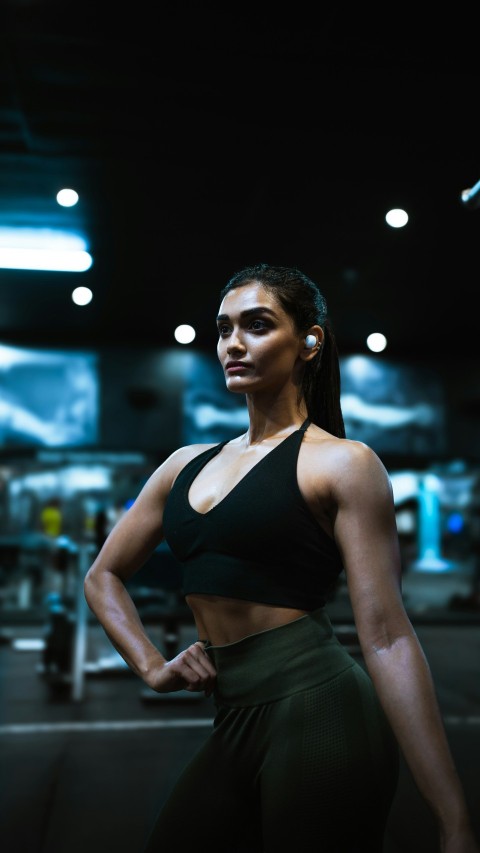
x=258 y=346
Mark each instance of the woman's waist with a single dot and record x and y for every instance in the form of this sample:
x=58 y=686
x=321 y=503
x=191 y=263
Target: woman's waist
x=223 y=620
x=279 y=661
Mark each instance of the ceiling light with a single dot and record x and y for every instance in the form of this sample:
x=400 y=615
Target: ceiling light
x=376 y=342
x=397 y=217
x=67 y=198
x=82 y=296
x=43 y=249
x=184 y=334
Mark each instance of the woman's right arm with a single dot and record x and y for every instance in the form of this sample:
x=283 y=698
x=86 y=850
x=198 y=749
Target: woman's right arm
x=125 y=551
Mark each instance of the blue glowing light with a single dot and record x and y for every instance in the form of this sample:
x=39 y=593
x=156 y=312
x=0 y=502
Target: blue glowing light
x=455 y=522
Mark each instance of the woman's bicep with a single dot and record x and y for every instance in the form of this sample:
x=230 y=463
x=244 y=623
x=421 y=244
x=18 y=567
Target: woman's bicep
x=366 y=533
x=136 y=535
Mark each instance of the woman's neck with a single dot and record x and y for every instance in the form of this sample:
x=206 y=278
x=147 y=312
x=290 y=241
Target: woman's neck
x=263 y=427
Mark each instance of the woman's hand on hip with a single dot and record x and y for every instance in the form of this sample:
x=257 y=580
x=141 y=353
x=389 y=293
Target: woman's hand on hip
x=191 y=670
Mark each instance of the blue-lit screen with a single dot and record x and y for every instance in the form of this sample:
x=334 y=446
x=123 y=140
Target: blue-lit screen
x=393 y=407
x=48 y=398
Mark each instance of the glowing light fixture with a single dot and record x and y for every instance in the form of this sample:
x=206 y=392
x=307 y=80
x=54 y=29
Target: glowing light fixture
x=43 y=249
x=396 y=217
x=82 y=296
x=184 y=334
x=67 y=198
x=376 y=342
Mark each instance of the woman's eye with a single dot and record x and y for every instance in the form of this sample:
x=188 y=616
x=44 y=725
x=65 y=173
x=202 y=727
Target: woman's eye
x=223 y=330
x=257 y=324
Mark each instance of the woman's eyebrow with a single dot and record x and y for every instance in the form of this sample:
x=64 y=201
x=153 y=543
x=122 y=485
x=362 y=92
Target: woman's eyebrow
x=260 y=309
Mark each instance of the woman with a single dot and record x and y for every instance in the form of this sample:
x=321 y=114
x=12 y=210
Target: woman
x=304 y=748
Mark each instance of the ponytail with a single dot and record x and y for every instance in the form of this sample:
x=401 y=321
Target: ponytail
x=321 y=386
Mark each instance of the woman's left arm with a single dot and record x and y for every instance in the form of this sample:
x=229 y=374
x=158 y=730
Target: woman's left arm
x=365 y=531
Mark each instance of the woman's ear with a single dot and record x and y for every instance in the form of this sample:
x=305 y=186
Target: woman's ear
x=312 y=343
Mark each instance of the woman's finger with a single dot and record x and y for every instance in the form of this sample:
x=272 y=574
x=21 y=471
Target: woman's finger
x=194 y=667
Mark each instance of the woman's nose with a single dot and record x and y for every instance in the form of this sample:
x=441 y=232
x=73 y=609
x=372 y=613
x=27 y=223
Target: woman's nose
x=235 y=343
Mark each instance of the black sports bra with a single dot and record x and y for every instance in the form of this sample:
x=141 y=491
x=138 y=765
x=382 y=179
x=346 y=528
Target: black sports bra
x=261 y=542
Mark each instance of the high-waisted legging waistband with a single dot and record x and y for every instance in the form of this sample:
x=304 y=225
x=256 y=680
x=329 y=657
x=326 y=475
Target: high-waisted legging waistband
x=279 y=661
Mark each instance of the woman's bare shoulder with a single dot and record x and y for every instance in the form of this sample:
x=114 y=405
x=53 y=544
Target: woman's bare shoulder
x=163 y=477
x=318 y=439
x=342 y=458
x=180 y=457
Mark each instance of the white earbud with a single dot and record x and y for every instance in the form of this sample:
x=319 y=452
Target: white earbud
x=310 y=341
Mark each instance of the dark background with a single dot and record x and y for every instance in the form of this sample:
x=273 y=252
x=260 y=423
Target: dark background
x=203 y=137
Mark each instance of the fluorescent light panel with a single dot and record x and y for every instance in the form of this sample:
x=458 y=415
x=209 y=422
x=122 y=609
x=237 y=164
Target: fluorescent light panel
x=43 y=249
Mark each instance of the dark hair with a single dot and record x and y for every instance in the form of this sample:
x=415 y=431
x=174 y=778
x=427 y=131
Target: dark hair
x=303 y=301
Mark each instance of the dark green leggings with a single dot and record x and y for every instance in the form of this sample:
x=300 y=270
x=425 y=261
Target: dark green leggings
x=301 y=756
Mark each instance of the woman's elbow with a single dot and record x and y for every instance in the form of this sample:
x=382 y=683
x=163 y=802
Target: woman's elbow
x=383 y=632
x=92 y=585
x=88 y=587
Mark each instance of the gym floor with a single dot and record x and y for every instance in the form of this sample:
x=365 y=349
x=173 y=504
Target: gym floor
x=90 y=773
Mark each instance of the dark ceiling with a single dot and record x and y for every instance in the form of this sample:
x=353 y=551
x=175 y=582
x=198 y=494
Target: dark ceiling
x=203 y=138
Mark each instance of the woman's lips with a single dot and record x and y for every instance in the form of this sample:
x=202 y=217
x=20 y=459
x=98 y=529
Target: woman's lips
x=235 y=367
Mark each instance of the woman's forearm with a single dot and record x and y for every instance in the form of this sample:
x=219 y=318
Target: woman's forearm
x=110 y=601
x=403 y=681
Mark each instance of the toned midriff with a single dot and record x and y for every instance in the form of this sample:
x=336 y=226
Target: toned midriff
x=226 y=620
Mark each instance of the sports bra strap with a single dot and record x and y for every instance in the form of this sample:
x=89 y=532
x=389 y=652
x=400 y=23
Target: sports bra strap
x=305 y=425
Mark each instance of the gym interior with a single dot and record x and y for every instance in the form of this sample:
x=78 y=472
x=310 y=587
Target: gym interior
x=89 y=751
